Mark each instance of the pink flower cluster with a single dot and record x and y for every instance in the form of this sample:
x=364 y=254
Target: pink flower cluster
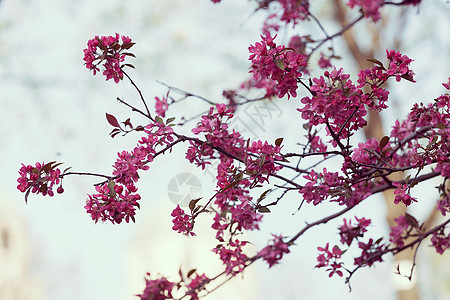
x=440 y=241
x=157 y=289
x=196 y=285
x=276 y=63
x=260 y=161
x=274 y=252
x=118 y=199
x=330 y=258
x=321 y=186
x=371 y=252
x=340 y=105
x=399 y=232
x=161 y=106
x=399 y=66
x=39 y=179
x=294 y=10
x=182 y=222
x=432 y=121
x=110 y=51
x=337 y=102
x=232 y=256
x=349 y=232
x=370 y=8
x=113 y=202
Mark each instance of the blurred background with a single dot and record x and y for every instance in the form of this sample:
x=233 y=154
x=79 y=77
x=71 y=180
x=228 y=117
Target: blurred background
x=53 y=109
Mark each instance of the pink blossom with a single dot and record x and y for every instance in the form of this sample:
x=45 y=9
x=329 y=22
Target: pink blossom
x=110 y=51
x=398 y=232
x=161 y=106
x=232 y=256
x=157 y=289
x=370 y=253
x=182 y=223
x=443 y=204
x=370 y=8
x=447 y=84
x=244 y=215
x=113 y=202
x=440 y=241
x=270 y=61
x=324 y=62
x=349 y=232
x=196 y=285
x=402 y=194
x=274 y=252
x=39 y=179
x=330 y=258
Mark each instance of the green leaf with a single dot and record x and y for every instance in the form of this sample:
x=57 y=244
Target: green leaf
x=170 y=120
x=159 y=120
x=263 y=196
x=279 y=63
x=111 y=185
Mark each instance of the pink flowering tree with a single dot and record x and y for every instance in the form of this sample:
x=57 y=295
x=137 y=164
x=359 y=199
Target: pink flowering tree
x=251 y=177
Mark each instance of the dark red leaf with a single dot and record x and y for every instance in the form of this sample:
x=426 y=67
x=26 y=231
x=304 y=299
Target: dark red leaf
x=112 y=120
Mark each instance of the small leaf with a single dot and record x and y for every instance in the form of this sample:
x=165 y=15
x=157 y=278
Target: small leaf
x=140 y=128
x=440 y=126
x=193 y=202
x=27 y=194
x=376 y=61
x=170 y=120
x=408 y=77
x=129 y=65
x=384 y=142
x=112 y=120
x=378 y=241
x=133 y=219
x=407 y=178
x=263 y=209
x=111 y=185
x=278 y=141
x=48 y=166
x=128 y=45
x=263 y=196
x=159 y=120
x=279 y=63
x=129 y=54
x=180 y=272
x=128 y=123
x=411 y=221
x=189 y=274
x=66 y=169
